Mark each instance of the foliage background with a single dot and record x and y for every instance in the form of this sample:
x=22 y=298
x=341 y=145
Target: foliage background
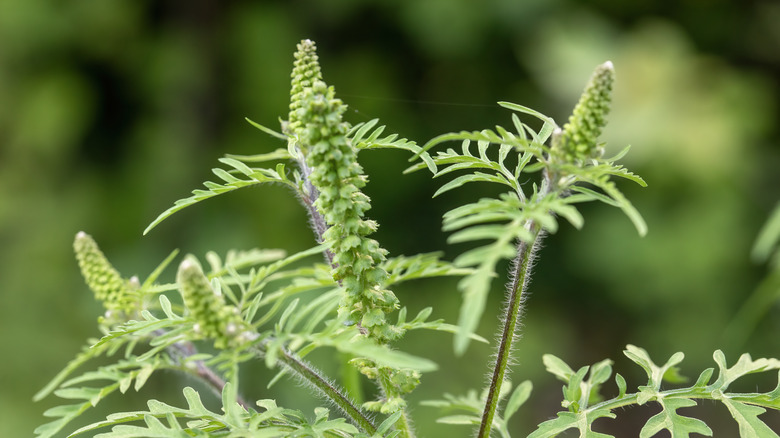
x=112 y=110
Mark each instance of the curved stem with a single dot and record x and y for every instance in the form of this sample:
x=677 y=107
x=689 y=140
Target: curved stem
x=329 y=390
x=521 y=273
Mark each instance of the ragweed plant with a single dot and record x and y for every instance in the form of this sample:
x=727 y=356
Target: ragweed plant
x=223 y=312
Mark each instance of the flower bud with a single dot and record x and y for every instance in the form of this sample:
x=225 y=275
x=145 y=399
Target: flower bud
x=213 y=318
x=305 y=73
x=579 y=137
x=117 y=294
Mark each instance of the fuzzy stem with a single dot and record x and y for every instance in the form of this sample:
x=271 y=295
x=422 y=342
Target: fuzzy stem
x=330 y=391
x=520 y=276
x=404 y=424
x=308 y=197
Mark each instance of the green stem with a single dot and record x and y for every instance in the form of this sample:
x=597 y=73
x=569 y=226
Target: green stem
x=521 y=273
x=329 y=390
x=404 y=424
x=702 y=393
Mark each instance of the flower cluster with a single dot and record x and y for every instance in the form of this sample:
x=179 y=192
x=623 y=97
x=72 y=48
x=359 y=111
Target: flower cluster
x=578 y=139
x=117 y=294
x=305 y=72
x=395 y=384
x=338 y=179
x=213 y=318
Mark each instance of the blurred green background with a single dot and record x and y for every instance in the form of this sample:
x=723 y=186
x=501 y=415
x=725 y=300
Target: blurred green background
x=111 y=110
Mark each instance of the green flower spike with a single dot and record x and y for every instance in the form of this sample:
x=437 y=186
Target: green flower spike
x=117 y=294
x=338 y=179
x=578 y=139
x=305 y=72
x=213 y=318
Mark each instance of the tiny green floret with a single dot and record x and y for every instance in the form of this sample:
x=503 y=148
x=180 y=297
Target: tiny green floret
x=395 y=384
x=116 y=293
x=579 y=138
x=213 y=318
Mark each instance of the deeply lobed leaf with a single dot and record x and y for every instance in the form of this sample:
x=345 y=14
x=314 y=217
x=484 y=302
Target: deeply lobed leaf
x=744 y=408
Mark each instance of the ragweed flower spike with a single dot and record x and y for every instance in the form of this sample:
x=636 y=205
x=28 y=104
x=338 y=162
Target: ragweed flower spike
x=305 y=72
x=338 y=178
x=213 y=318
x=579 y=137
x=117 y=294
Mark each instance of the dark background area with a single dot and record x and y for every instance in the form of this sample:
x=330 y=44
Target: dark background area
x=112 y=110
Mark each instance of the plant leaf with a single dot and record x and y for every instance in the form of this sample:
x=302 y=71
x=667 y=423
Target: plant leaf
x=519 y=396
x=668 y=419
x=581 y=421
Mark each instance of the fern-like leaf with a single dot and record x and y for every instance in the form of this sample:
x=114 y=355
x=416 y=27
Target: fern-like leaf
x=353 y=343
x=368 y=136
x=469 y=407
x=601 y=181
x=270 y=421
x=119 y=376
x=421 y=322
x=745 y=408
x=231 y=182
x=504 y=222
x=204 y=420
x=403 y=268
x=515 y=216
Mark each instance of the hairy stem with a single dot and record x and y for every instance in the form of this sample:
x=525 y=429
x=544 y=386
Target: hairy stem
x=521 y=273
x=404 y=424
x=307 y=198
x=329 y=390
x=520 y=276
